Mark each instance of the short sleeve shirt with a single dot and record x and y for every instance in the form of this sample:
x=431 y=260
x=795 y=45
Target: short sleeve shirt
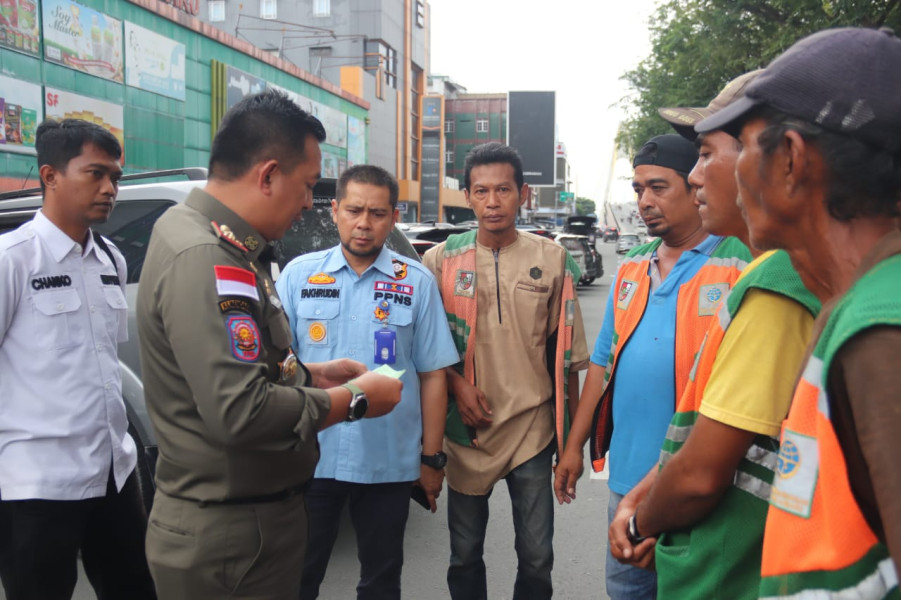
x=644 y=396
x=336 y=313
x=62 y=313
x=751 y=384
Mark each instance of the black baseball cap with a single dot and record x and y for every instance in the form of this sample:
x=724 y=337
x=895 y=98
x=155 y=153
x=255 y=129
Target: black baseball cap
x=847 y=81
x=670 y=150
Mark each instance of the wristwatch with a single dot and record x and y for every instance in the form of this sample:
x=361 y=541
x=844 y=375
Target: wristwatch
x=436 y=461
x=635 y=538
x=356 y=410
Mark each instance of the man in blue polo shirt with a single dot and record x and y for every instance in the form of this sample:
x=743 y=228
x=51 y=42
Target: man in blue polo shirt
x=655 y=320
x=363 y=301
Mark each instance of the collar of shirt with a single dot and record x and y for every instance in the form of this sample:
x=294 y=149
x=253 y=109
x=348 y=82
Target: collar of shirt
x=60 y=244
x=212 y=208
x=335 y=261
x=706 y=247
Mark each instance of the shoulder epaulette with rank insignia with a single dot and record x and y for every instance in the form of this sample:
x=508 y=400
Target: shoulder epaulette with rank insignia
x=224 y=232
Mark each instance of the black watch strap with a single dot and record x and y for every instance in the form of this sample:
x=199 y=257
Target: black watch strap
x=635 y=538
x=435 y=461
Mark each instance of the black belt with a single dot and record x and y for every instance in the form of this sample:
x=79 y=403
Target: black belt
x=266 y=498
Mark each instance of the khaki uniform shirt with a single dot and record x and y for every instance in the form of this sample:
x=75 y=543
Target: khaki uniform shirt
x=518 y=291
x=231 y=419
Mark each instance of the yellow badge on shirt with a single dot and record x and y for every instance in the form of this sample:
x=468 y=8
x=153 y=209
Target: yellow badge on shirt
x=321 y=279
x=317 y=332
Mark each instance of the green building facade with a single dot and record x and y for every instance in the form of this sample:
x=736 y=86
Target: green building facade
x=470 y=120
x=65 y=57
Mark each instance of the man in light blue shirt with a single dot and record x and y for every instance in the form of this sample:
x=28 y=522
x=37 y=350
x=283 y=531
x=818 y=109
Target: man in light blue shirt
x=363 y=301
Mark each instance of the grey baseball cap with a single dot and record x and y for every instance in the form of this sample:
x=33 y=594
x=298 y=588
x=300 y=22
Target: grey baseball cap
x=683 y=119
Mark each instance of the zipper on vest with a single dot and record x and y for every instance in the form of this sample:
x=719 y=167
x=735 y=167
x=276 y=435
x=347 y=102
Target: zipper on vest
x=497 y=282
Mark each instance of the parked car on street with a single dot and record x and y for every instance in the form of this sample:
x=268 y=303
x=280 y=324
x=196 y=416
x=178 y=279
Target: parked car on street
x=138 y=206
x=537 y=230
x=582 y=225
x=423 y=236
x=627 y=241
x=590 y=262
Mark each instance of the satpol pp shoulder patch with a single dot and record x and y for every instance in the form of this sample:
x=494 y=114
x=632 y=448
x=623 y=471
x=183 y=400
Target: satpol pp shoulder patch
x=244 y=336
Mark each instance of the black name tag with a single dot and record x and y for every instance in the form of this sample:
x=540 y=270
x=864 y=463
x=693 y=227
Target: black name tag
x=320 y=293
x=51 y=281
x=109 y=279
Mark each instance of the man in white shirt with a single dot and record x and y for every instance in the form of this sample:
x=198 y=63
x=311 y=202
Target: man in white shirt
x=67 y=463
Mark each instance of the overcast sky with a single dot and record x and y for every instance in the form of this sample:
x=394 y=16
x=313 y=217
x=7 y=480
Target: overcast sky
x=579 y=48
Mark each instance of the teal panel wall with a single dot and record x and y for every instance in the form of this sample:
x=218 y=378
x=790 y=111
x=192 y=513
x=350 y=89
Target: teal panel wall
x=160 y=132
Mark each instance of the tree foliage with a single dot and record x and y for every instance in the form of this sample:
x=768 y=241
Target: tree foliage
x=584 y=206
x=699 y=45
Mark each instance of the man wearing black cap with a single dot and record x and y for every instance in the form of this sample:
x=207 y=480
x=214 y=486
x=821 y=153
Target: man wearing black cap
x=663 y=298
x=820 y=176
x=708 y=500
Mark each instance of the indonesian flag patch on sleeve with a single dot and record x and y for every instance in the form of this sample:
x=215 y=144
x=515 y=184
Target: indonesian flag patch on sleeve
x=234 y=281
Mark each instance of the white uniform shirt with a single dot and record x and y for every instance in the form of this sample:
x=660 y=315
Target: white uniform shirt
x=62 y=418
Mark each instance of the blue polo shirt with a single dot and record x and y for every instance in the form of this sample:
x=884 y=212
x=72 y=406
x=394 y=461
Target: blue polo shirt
x=332 y=314
x=644 y=396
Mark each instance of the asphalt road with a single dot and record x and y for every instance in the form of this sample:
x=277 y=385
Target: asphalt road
x=580 y=539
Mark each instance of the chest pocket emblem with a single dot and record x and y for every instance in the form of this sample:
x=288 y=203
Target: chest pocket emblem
x=625 y=293
x=710 y=297
x=465 y=284
x=318 y=332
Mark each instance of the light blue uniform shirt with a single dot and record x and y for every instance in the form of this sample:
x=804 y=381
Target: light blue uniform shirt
x=332 y=315
x=644 y=396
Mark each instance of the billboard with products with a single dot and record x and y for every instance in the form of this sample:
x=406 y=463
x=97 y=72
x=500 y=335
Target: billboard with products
x=20 y=115
x=60 y=104
x=19 y=26
x=83 y=39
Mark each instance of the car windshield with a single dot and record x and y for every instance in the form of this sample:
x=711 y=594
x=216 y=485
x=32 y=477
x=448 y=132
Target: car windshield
x=628 y=237
x=129 y=227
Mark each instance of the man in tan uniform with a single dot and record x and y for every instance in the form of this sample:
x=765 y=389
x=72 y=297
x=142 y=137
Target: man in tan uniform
x=516 y=321
x=236 y=431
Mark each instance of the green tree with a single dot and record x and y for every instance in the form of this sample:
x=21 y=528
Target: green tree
x=699 y=45
x=584 y=206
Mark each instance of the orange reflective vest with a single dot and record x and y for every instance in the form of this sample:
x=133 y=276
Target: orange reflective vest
x=719 y=557
x=696 y=306
x=817 y=543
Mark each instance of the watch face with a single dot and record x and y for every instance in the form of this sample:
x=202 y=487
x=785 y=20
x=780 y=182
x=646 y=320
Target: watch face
x=358 y=406
x=436 y=461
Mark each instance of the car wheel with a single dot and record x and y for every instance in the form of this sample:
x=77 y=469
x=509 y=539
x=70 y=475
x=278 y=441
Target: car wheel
x=144 y=470
x=589 y=281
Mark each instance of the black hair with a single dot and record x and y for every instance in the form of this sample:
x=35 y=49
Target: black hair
x=260 y=127
x=489 y=154
x=58 y=142
x=862 y=180
x=371 y=175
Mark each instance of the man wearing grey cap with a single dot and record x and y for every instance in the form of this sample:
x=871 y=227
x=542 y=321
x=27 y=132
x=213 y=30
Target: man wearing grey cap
x=659 y=307
x=820 y=176
x=707 y=502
